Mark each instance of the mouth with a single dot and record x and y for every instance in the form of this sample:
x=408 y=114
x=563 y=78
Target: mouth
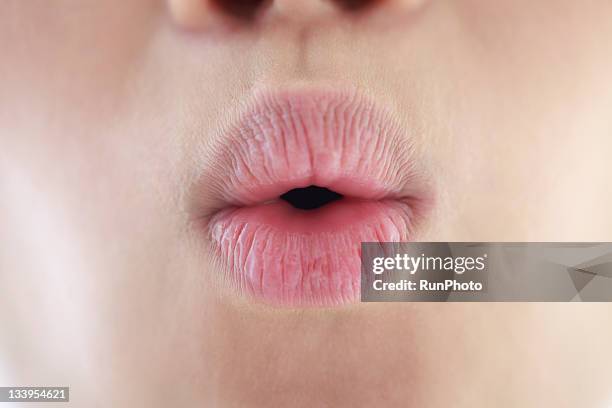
x=303 y=179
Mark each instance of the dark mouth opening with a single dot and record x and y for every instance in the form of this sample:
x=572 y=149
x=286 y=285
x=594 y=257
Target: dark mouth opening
x=310 y=198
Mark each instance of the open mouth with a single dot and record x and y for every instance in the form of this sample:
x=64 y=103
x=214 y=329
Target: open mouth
x=311 y=197
x=305 y=178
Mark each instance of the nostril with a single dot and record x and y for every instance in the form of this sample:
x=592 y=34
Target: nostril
x=355 y=5
x=310 y=198
x=242 y=9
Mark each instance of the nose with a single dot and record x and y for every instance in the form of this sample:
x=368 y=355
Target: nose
x=198 y=14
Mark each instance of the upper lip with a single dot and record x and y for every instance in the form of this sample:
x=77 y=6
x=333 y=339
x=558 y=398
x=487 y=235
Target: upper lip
x=289 y=139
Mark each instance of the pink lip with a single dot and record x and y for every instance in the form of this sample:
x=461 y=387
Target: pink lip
x=341 y=141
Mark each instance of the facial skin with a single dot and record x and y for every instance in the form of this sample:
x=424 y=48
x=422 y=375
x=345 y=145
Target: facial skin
x=109 y=110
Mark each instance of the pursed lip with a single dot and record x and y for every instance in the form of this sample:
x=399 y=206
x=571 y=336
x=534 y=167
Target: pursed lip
x=286 y=140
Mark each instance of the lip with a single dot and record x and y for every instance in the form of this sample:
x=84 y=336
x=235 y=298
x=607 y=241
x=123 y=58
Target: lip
x=342 y=141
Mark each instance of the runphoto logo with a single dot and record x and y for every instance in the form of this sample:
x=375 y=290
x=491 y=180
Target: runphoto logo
x=412 y=264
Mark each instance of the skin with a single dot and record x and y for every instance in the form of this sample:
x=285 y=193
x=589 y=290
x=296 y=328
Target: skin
x=108 y=109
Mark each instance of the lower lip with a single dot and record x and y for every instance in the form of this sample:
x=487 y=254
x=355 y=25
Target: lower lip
x=288 y=256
